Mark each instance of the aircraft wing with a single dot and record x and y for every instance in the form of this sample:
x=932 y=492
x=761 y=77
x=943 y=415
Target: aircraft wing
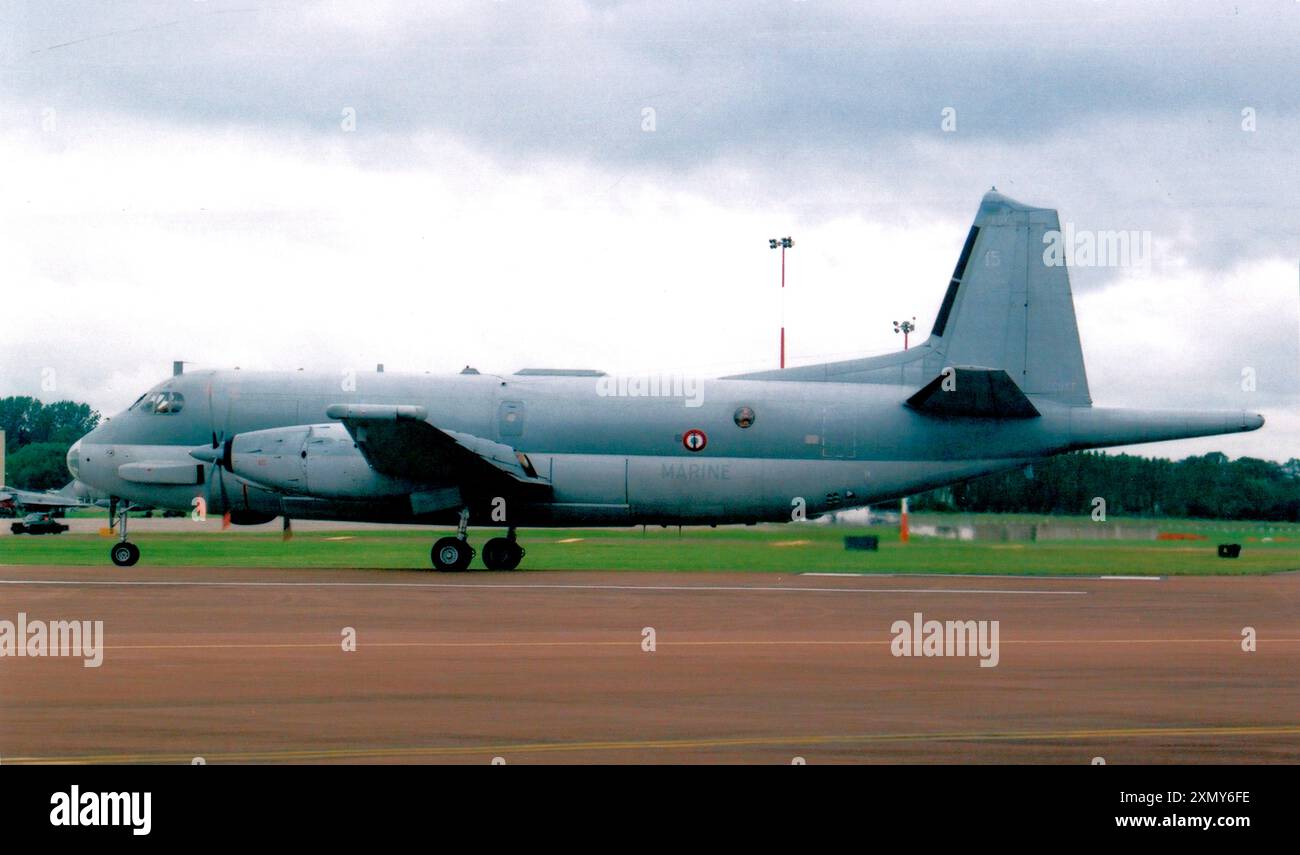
x=400 y=442
x=975 y=392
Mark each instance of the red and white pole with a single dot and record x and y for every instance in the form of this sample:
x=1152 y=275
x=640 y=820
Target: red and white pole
x=783 y=305
x=903 y=534
x=782 y=244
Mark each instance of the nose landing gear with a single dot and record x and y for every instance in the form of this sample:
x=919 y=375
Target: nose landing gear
x=124 y=553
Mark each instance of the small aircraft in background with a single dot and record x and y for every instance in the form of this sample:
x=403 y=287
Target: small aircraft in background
x=999 y=383
x=74 y=494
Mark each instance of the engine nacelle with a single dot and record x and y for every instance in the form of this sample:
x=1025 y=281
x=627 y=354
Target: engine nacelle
x=309 y=460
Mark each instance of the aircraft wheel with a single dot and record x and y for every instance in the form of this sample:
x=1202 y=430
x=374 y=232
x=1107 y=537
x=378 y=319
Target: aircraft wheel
x=125 y=554
x=452 y=553
x=502 y=554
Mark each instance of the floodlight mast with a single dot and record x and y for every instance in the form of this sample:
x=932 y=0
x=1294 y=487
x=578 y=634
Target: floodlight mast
x=782 y=244
x=904 y=327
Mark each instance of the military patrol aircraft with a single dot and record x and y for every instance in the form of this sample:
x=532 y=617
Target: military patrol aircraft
x=998 y=384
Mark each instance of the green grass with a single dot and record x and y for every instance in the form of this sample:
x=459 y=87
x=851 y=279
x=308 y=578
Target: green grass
x=777 y=549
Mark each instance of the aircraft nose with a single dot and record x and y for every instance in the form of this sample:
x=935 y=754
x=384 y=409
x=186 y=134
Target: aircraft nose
x=1252 y=421
x=74 y=458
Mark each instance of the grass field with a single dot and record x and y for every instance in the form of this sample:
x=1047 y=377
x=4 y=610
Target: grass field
x=1268 y=547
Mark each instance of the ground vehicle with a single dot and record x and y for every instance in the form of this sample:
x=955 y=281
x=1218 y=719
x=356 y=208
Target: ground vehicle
x=38 y=524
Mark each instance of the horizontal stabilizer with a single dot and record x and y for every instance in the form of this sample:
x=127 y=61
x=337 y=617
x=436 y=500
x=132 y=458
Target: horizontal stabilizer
x=974 y=392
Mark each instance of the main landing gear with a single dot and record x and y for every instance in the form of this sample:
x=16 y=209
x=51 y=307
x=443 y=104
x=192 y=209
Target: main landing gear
x=503 y=553
x=455 y=553
x=124 y=553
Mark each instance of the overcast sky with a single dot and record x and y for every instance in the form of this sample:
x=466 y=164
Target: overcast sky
x=592 y=184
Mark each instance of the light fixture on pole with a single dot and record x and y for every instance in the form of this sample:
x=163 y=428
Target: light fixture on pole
x=782 y=244
x=905 y=327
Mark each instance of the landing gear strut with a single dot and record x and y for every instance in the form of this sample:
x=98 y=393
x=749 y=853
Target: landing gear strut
x=454 y=553
x=503 y=553
x=124 y=553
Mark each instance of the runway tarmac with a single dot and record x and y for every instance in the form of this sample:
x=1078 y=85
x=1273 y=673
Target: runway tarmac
x=249 y=666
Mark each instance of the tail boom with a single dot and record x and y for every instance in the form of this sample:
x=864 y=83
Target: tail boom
x=1099 y=427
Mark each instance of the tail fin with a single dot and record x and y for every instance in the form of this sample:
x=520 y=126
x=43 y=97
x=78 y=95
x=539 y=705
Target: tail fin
x=1005 y=307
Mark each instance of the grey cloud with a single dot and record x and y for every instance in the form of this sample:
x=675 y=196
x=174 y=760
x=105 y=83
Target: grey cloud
x=816 y=106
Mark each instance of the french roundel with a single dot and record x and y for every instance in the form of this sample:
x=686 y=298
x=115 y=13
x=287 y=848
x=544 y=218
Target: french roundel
x=694 y=440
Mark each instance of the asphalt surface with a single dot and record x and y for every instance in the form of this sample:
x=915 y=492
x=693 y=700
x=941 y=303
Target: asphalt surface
x=249 y=666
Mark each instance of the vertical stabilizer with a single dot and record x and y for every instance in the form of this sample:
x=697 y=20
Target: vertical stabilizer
x=1009 y=306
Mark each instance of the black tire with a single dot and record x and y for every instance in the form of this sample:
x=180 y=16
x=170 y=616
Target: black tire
x=451 y=554
x=502 y=554
x=125 y=554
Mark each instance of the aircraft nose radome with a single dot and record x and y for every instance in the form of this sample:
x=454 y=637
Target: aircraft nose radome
x=73 y=458
x=1252 y=421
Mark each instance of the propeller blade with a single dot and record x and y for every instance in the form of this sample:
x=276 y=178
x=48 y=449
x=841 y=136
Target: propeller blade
x=220 y=458
x=212 y=420
x=221 y=480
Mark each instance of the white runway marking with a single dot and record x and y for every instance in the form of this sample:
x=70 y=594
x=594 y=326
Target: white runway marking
x=1135 y=578
x=542 y=587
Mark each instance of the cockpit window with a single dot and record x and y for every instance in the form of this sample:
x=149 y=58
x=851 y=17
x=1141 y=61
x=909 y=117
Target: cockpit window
x=166 y=403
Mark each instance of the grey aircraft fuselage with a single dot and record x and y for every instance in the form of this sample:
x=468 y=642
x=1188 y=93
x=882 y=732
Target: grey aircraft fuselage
x=616 y=459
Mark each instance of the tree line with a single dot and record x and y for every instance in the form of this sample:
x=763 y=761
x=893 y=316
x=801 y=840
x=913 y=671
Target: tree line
x=37 y=437
x=1209 y=486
